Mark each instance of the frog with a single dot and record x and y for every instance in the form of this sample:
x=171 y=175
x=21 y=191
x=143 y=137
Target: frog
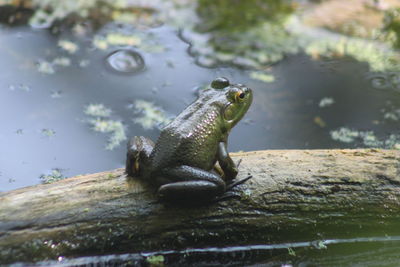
x=182 y=163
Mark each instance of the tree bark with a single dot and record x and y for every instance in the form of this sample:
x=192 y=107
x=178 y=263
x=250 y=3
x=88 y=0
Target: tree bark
x=294 y=195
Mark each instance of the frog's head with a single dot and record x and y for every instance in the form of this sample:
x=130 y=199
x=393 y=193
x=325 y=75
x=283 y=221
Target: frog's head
x=237 y=98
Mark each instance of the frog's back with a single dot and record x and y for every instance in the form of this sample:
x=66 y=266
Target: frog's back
x=191 y=139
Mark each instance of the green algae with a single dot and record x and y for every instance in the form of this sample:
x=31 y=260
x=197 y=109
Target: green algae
x=97 y=110
x=391 y=26
x=245 y=38
x=112 y=37
x=150 y=116
x=68 y=46
x=368 y=138
x=47 y=13
x=379 y=57
x=239 y=16
x=54 y=176
x=48 y=132
x=326 y=102
x=155 y=260
x=262 y=76
x=250 y=34
x=116 y=39
x=254 y=48
x=100 y=121
x=50 y=67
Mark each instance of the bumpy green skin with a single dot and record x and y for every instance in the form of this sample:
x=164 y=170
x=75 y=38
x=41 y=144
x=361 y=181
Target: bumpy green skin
x=181 y=163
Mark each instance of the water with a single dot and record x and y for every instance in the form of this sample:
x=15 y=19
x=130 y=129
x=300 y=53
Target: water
x=371 y=251
x=70 y=99
x=28 y=153
x=49 y=129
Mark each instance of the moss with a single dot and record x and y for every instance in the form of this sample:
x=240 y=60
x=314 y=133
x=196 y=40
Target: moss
x=111 y=175
x=155 y=260
x=291 y=252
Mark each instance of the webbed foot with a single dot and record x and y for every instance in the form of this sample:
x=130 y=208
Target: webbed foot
x=226 y=196
x=230 y=194
x=233 y=183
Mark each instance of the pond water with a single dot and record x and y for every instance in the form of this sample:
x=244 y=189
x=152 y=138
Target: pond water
x=372 y=251
x=72 y=94
x=46 y=91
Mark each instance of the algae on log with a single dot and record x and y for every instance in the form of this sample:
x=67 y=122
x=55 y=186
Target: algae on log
x=294 y=195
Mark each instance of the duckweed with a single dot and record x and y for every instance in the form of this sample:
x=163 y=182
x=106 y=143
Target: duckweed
x=54 y=176
x=326 y=102
x=368 y=138
x=149 y=116
x=262 y=76
x=68 y=46
x=97 y=110
x=100 y=122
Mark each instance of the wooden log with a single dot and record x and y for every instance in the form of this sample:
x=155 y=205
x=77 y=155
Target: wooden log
x=294 y=195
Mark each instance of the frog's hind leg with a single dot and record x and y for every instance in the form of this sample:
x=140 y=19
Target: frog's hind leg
x=138 y=154
x=190 y=184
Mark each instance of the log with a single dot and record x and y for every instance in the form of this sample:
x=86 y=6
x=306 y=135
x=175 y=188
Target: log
x=294 y=195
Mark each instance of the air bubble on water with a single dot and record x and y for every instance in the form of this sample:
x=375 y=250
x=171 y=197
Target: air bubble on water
x=379 y=82
x=125 y=61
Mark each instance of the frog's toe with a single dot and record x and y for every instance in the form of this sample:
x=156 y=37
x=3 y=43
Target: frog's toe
x=226 y=196
x=238 y=163
x=233 y=183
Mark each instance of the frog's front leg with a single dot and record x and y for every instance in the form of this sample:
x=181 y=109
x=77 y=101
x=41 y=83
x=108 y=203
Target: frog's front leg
x=138 y=154
x=225 y=161
x=190 y=184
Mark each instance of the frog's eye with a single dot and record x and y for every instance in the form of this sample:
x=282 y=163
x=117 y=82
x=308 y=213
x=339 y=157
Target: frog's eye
x=239 y=96
x=220 y=83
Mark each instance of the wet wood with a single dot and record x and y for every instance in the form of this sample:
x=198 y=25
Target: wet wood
x=293 y=195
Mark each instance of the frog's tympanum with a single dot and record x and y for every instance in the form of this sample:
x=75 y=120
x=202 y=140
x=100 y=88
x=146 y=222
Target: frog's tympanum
x=182 y=162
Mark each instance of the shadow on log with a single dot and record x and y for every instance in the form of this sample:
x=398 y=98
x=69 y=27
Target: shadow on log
x=294 y=195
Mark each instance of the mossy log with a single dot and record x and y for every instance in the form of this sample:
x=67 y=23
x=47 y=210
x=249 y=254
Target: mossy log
x=294 y=195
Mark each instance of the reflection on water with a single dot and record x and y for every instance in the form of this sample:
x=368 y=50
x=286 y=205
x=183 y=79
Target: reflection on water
x=371 y=251
x=385 y=81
